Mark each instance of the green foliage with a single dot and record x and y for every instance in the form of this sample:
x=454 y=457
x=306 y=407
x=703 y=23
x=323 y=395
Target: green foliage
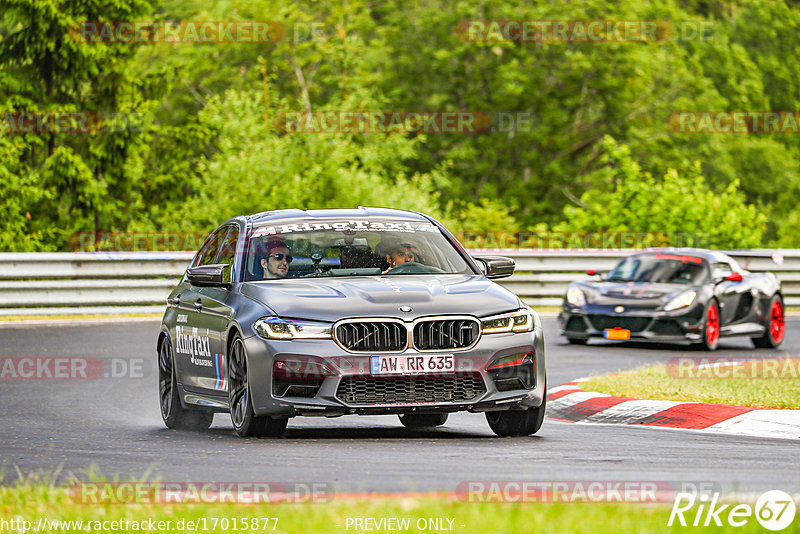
x=253 y=168
x=681 y=206
x=200 y=148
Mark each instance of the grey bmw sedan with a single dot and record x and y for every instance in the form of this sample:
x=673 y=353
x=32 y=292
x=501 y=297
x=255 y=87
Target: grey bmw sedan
x=324 y=313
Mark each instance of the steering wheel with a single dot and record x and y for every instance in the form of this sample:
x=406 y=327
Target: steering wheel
x=414 y=267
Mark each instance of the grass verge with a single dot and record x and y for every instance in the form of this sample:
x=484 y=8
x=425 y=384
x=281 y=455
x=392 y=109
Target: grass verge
x=32 y=502
x=766 y=384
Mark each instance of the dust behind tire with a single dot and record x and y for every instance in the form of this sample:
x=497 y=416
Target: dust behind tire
x=418 y=420
x=173 y=413
x=244 y=420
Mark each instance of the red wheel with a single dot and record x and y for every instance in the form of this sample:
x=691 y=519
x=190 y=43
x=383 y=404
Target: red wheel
x=711 y=330
x=776 y=328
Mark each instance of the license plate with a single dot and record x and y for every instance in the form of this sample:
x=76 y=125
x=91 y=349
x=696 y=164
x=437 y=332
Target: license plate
x=617 y=333
x=413 y=364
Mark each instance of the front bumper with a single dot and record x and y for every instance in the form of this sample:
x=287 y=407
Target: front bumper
x=353 y=390
x=682 y=326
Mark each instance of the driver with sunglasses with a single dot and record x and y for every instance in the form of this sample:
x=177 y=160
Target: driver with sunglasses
x=276 y=261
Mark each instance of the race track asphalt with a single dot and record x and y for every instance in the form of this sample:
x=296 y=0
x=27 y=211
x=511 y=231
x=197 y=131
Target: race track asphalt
x=114 y=426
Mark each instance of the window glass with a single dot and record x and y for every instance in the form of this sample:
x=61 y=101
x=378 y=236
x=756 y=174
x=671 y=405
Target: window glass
x=660 y=268
x=721 y=270
x=209 y=251
x=227 y=254
x=350 y=247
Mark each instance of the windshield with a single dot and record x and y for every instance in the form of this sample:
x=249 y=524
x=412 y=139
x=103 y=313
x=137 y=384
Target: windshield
x=349 y=247
x=660 y=268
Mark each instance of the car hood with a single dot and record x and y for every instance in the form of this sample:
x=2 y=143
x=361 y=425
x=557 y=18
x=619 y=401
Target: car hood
x=645 y=293
x=332 y=299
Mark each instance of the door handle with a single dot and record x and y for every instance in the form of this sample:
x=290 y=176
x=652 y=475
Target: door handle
x=198 y=305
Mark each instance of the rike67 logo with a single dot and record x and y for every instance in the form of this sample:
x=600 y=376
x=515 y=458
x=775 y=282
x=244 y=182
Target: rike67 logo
x=774 y=510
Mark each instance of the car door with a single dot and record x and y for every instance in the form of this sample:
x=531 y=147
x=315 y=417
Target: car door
x=194 y=331
x=215 y=313
x=728 y=293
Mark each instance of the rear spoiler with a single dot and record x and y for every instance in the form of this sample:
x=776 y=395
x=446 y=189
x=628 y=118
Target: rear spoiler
x=749 y=255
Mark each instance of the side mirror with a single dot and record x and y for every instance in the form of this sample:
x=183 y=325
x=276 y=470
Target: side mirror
x=591 y=272
x=734 y=277
x=496 y=266
x=209 y=275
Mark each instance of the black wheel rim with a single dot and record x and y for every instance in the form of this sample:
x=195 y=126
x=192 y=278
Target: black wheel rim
x=237 y=386
x=165 y=372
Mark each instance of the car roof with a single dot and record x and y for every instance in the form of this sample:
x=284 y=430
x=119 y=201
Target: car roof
x=711 y=256
x=360 y=212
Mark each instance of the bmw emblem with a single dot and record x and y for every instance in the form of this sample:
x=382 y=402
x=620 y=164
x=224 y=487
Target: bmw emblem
x=619 y=309
x=406 y=309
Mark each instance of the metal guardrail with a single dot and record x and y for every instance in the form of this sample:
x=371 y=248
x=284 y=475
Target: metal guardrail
x=71 y=283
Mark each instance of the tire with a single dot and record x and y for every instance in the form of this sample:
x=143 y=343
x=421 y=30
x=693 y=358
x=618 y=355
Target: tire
x=172 y=412
x=420 y=420
x=776 y=327
x=517 y=422
x=711 y=327
x=577 y=340
x=244 y=420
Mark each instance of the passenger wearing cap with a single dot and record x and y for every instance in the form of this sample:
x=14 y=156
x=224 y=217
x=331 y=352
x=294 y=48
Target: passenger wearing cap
x=397 y=252
x=277 y=259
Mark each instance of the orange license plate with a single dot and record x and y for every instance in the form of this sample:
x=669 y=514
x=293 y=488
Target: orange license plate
x=617 y=333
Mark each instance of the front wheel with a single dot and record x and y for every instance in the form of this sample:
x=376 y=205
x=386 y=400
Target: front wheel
x=244 y=420
x=517 y=422
x=711 y=327
x=427 y=420
x=172 y=412
x=776 y=327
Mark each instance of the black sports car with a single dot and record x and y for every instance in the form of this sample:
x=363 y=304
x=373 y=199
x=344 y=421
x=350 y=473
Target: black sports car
x=360 y=311
x=685 y=296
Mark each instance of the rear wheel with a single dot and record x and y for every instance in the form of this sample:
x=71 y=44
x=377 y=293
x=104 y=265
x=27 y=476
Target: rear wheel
x=711 y=327
x=423 y=420
x=577 y=340
x=776 y=327
x=517 y=422
x=172 y=412
x=245 y=422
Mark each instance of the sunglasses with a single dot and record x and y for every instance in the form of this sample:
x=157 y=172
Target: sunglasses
x=279 y=257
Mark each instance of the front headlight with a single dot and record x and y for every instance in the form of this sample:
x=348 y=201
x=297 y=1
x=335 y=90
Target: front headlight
x=277 y=328
x=518 y=321
x=681 y=301
x=576 y=297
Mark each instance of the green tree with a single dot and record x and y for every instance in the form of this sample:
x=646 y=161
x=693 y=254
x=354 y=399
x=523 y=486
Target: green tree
x=680 y=206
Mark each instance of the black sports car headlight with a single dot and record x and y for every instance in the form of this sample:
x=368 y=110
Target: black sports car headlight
x=681 y=301
x=576 y=296
x=518 y=321
x=278 y=328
